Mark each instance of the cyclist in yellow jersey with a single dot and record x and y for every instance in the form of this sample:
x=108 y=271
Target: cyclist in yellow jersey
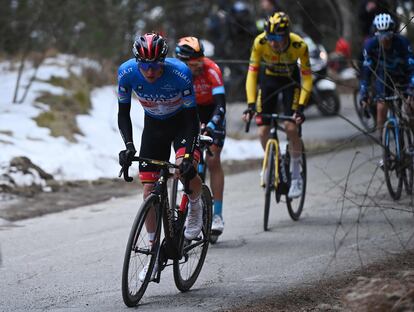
x=279 y=50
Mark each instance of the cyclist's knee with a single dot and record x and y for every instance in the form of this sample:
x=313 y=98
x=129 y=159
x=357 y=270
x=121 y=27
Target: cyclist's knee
x=148 y=187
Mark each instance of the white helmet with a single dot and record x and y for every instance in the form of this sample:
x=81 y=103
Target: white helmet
x=383 y=22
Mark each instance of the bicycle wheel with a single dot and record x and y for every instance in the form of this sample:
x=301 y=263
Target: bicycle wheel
x=295 y=205
x=367 y=118
x=139 y=252
x=392 y=168
x=269 y=178
x=187 y=269
x=407 y=149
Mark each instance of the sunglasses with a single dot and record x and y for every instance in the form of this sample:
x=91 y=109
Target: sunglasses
x=145 y=66
x=278 y=38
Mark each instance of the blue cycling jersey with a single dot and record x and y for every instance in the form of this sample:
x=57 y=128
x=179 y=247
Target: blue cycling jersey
x=163 y=98
x=396 y=63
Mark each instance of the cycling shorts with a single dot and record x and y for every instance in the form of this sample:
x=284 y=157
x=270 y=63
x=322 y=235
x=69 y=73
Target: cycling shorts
x=156 y=140
x=205 y=113
x=384 y=86
x=270 y=89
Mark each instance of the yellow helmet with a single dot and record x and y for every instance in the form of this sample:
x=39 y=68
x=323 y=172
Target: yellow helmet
x=277 y=24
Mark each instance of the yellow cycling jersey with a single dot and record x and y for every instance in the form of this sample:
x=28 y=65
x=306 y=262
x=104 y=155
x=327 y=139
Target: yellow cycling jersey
x=279 y=64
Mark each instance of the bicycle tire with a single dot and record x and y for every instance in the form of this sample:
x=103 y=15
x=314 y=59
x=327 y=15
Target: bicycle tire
x=138 y=235
x=185 y=265
x=408 y=167
x=295 y=205
x=269 y=178
x=393 y=176
x=369 y=123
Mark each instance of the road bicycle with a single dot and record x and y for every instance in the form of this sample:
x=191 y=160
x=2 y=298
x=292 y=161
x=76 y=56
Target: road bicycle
x=397 y=141
x=177 y=189
x=276 y=173
x=170 y=244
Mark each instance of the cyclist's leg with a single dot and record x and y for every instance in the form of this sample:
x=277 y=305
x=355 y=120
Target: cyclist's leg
x=267 y=105
x=382 y=109
x=195 y=212
x=291 y=102
x=154 y=131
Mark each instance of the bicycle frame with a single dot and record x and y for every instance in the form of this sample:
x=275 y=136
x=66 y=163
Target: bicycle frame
x=273 y=142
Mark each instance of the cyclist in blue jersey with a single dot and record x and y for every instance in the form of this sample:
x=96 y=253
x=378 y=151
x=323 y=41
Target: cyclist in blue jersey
x=389 y=58
x=165 y=91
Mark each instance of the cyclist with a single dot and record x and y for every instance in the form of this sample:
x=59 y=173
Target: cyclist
x=279 y=50
x=388 y=56
x=164 y=89
x=211 y=104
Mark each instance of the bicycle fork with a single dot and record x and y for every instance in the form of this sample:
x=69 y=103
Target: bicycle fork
x=389 y=124
x=271 y=143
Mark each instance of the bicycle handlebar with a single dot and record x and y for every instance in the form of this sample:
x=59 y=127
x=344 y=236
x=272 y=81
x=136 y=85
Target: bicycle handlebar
x=160 y=163
x=279 y=117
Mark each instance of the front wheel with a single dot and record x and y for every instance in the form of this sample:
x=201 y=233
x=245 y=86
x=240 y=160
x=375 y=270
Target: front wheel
x=295 y=205
x=140 y=252
x=391 y=160
x=187 y=269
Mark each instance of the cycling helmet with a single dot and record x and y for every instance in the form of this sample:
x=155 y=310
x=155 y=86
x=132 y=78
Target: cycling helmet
x=189 y=48
x=277 y=24
x=383 y=22
x=150 y=47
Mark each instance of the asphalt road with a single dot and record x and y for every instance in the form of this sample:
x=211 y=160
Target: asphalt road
x=73 y=260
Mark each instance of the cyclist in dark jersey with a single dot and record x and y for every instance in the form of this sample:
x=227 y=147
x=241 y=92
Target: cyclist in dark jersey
x=164 y=89
x=388 y=56
x=211 y=104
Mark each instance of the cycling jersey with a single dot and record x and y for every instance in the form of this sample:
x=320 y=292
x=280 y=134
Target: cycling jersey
x=279 y=64
x=209 y=90
x=392 y=65
x=208 y=83
x=169 y=94
x=170 y=112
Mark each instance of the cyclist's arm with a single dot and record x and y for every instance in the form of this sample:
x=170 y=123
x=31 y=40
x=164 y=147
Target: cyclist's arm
x=253 y=71
x=367 y=67
x=218 y=117
x=306 y=73
x=124 y=107
x=124 y=122
x=219 y=97
x=191 y=120
x=409 y=60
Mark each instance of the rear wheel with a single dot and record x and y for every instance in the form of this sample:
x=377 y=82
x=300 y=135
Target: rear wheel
x=392 y=168
x=269 y=180
x=139 y=252
x=187 y=269
x=407 y=149
x=368 y=118
x=295 y=205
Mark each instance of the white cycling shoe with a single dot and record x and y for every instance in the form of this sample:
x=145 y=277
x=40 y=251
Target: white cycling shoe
x=296 y=188
x=194 y=221
x=217 y=226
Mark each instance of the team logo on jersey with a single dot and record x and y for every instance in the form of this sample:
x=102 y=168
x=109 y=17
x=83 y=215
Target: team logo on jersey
x=297 y=45
x=187 y=92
